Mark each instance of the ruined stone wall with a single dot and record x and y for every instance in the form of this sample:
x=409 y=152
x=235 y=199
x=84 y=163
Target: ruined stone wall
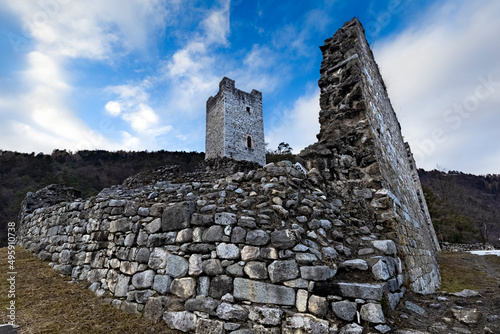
x=267 y=251
x=235 y=126
x=360 y=144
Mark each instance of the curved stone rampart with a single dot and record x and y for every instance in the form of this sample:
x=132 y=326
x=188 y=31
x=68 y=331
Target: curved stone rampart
x=268 y=249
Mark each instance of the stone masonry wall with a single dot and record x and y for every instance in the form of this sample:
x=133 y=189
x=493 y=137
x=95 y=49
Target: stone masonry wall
x=233 y=116
x=360 y=145
x=263 y=251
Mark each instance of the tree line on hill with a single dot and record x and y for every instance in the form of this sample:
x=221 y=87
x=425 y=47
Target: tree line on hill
x=464 y=208
x=87 y=171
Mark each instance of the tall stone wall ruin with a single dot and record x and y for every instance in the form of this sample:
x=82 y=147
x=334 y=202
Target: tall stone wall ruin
x=278 y=249
x=360 y=147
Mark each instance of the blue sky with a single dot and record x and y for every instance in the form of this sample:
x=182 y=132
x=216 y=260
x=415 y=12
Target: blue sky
x=135 y=74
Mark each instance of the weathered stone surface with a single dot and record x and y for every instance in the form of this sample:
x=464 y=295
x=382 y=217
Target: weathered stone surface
x=142 y=255
x=219 y=286
x=381 y=271
x=195 y=265
x=158 y=258
x=345 y=310
x=213 y=233
x=351 y=329
x=257 y=238
x=161 y=283
x=121 y=287
x=280 y=271
x=388 y=247
x=183 y=287
x=183 y=321
x=143 y=280
x=357 y=264
x=231 y=312
x=202 y=304
x=301 y=300
x=317 y=273
x=177 y=216
x=228 y=251
x=285 y=239
x=360 y=290
x=266 y=315
x=249 y=253
x=212 y=267
x=120 y=225
x=225 y=218
x=256 y=270
x=317 y=305
x=264 y=293
x=207 y=326
x=305 y=323
x=373 y=313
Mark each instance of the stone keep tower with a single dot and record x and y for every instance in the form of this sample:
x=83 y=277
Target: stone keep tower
x=235 y=125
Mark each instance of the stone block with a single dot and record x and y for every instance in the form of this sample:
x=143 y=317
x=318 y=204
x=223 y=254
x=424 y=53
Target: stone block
x=373 y=313
x=143 y=280
x=388 y=247
x=360 y=290
x=121 y=286
x=176 y=266
x=256 y=270
x=212 y=267
x=183 y=287
x=225 y=218
x=344 y=310
x=153 y=226
x=142 y=255
x=317 y=273
x=317 y=305
x=231 y=312
x=219 y=286
x=183 y=321
x=263 y=293
x=228 y=251
x=161 y=283
x=195 y=265
x=357 y=264
x=305 y=323
x=238 y=235
x=257 y=238
x=177 y=216
x=381 y=271
x=285 y=239
x=158 y=258
x=202 y=304
x=266 y=315
x=213 y=233
x=120 y=225
x=301 y=300
x=207 y=326
x=280 y=271
x=249 y=253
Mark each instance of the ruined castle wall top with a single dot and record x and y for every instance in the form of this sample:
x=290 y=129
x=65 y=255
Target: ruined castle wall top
x=235 y=125
x=360 y=139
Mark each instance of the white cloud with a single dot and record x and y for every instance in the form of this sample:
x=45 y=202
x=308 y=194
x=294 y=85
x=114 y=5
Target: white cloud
x=435 y=72
x=113 y=108
x=297 y=126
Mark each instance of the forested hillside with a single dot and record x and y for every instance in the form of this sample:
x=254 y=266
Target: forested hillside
x=87 y=171
x=464 y=208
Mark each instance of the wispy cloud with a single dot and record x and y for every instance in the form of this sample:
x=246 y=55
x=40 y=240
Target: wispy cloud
x=437 y=72
x=297 y=126
x=58 y=32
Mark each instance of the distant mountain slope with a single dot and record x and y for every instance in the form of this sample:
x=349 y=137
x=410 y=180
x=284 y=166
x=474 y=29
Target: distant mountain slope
x=87 y=171
x=464 y=207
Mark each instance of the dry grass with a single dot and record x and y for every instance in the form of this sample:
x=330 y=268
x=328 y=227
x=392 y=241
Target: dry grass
x=47 y=303
x=467 y=271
